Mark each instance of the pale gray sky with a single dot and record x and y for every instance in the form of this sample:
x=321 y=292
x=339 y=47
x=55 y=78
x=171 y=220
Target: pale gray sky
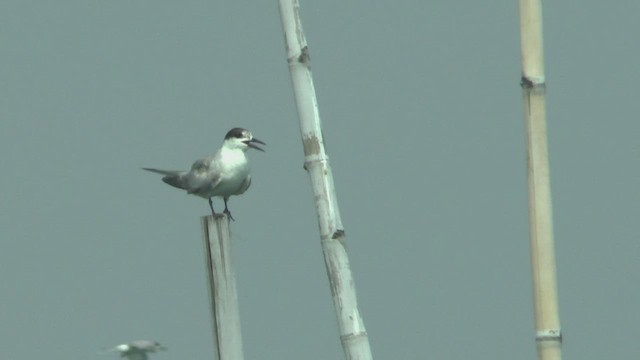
x=422 y=114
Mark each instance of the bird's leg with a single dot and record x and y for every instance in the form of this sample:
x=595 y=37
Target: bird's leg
x=226 y=209
x=213 y=212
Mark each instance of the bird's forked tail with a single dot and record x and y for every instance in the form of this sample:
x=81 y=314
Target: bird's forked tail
x=171 y=177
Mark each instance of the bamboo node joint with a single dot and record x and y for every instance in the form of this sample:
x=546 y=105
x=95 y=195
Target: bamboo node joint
x=549 y=335
x=316 y=160
x=532 y=82
x=353 y=336
x=304 y=57
x=338 y=234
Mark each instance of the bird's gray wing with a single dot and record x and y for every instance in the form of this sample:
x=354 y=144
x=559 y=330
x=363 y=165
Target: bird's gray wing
x=143 y=344
x=202 y=165
x=245 y=185
x=203 y=177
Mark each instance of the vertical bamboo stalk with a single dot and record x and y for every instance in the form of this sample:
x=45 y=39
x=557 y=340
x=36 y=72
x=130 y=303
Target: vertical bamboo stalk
x=548 y=335
x=222 y=288
x=353 y=335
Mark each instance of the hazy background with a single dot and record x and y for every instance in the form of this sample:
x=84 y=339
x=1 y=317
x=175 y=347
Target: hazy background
x=423 y=120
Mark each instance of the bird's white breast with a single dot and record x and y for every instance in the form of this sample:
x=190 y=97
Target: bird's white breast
x=234 y=170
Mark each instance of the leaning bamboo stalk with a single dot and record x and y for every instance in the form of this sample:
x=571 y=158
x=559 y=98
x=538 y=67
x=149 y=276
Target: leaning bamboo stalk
x=222 y=288
x=353 y=335
x=548 y=335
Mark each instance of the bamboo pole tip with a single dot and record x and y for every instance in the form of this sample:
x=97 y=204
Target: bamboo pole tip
x=215 y=218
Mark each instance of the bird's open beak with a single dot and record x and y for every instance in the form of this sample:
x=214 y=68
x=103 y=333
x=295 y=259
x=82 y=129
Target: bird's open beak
x=250 y=143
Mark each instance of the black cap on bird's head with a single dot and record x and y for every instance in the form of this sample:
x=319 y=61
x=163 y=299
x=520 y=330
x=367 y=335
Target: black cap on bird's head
x=245 y=136
x=236 y=133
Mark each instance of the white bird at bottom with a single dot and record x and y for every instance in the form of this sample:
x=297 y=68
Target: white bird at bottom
x=138 y=349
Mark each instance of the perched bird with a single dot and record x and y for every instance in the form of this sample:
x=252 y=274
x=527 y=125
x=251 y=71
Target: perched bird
x=222 y=174
x=138 y=349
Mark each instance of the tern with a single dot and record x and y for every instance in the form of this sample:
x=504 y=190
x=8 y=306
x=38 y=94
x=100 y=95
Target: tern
x=222 y=174
x=138 y=349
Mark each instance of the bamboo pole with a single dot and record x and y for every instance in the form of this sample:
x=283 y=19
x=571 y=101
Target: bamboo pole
x=353 y=335
x=548 y=335
x=222 y=288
